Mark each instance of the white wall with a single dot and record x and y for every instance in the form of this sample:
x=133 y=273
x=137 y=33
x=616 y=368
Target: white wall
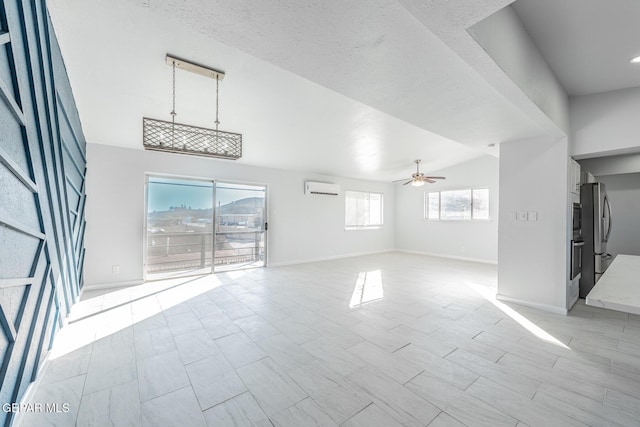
x=475 y=240
x=612 y=165
x=533 y=257
x=605 y=123
x=505 y=39
x=301 y=227
x=624 y=196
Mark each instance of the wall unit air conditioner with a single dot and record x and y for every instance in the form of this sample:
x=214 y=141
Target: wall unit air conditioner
x=321 y=188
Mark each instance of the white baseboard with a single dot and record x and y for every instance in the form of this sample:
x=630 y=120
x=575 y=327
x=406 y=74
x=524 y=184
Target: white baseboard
x=327 y=258
x=111 y=285
x=459 y=258
x=543 y=307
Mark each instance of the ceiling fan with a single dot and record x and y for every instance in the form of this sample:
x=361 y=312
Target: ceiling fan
x=418 y=179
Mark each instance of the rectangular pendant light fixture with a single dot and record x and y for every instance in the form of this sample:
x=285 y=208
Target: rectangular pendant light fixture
x=161 y=135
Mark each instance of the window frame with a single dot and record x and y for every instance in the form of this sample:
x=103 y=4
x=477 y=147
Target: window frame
x=439 y=218
x=350 y=227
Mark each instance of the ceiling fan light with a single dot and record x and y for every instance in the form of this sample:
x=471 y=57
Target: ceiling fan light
x=417 y=183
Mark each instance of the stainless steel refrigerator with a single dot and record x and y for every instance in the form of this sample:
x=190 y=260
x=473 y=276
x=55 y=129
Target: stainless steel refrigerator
x=596 y=229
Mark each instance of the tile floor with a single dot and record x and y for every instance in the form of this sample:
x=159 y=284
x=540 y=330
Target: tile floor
x=383 y=340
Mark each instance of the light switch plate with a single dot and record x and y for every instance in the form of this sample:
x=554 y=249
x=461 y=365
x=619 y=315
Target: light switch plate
x=522 y=216
x=532 y=216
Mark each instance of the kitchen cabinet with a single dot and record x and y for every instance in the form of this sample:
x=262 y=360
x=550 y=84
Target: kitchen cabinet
x=574 y=177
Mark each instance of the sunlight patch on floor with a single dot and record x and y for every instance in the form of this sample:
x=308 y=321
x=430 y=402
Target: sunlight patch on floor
x=368 y=288
x=534 y=329
x=236 y=274
x=96 y=318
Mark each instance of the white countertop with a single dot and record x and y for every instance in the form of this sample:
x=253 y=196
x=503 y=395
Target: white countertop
x=619 y=287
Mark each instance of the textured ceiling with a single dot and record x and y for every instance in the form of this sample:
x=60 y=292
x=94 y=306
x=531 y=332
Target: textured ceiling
x=358 y=88
x=587 y=43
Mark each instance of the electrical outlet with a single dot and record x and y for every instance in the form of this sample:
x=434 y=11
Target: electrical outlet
x=115 y=269
x=522 y=216
x=532 y=216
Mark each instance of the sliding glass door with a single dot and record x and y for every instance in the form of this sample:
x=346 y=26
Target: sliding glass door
x=240 y=226
x=198 y=226
x=179 y=226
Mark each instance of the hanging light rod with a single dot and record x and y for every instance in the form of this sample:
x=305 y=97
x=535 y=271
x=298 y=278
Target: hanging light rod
x=203 y=70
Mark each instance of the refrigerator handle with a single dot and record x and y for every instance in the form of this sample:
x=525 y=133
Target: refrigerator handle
x=606 y=202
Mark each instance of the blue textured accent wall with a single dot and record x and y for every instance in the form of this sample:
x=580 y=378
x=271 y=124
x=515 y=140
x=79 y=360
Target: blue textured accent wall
x=42 y=194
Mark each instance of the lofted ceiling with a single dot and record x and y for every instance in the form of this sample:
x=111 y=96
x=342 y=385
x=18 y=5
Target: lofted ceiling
x=357 y=89
x=587 y=43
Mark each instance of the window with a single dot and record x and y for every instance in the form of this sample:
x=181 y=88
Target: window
x=363 y=210
x=480 y=203
x=457 y=205
x=433 y=206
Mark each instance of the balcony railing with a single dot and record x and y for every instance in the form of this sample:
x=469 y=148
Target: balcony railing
x=193 y=250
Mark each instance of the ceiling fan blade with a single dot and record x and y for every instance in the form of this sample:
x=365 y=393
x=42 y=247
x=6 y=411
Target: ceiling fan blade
x=408 y=182
x=430 y=181
x=399 y=180
x=435 y=177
